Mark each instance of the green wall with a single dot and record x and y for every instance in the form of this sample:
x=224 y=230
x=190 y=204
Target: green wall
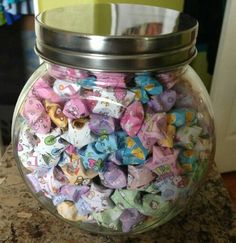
x=174 y=4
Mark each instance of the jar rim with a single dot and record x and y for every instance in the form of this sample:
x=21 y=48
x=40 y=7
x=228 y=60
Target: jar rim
x=167 y=34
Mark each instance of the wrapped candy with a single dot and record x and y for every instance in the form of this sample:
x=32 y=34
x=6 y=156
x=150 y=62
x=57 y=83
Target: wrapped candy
x=36 y=116
x=115 y=80
x=109 y=218
x=100 y=124
x=114 y=176
x=180 y=117
x=98 y=198
x=66 y=73
x=92 y=159
x=55 y=113
x=188 y=159
x=129 y=218
x=50 y=144
x=140 y=95
x=27 y=140
x=72 y=192
x=162 y=156
x=139 y=176
x=83 y=207
x=75 y=108
x=110 y=102
x=69 y=211
x=163 y=102
x=134 y=152
x=168 y=80
x=43 y=90
x=149 y=84
x=132 y=119
x=188 y=136
x=153 y=205
x=126 y=198
x=79 y=133
x=49 y=180
x=106 y=143
x=168 y=141
x=153 y=129
x=75 y=172
x=65 y=89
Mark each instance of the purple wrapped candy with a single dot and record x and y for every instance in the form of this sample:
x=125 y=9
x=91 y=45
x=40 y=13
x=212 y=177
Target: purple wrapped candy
x=101 y=124
x=163 y=102
x=129 y=218
x=73 y=192
x=113 y=177
x=139 y=176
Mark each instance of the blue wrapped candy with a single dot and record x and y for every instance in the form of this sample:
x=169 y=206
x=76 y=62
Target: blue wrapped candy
x=149 y=84
x=107 y=143
x=141 y=95
x=188 y=160
x=134 y=152
x=91 y=158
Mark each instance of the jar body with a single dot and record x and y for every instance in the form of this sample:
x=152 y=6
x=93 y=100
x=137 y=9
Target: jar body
x=113 y=152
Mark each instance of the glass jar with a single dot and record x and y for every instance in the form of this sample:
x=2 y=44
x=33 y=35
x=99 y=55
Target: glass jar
x=113 y=133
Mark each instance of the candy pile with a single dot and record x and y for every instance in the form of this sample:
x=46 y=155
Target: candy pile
x=110 y=148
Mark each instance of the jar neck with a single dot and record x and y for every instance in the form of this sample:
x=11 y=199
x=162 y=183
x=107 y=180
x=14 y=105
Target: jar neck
x=73 y=74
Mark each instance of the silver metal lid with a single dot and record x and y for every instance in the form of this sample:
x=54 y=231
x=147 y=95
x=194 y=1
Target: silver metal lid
x=116 y=37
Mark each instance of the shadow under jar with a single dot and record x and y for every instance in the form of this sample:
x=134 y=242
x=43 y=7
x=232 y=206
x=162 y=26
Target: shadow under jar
x=113 y=133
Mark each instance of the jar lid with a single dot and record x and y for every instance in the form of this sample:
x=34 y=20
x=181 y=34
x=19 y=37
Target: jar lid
x=116 y=37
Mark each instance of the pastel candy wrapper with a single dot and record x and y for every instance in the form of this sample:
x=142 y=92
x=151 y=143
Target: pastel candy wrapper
x=134 y=152
x=139 y=176
x=75 y=108
x=79 y=133
x=129 y=218
x=126 y=198
x=180 y=117
x=152 y=205
x=106 y=143
x=83 y=207
x=55 y=113
x=66 y=73
x=150 y=84
x=111 y=102
x=188 y=159
x=51 y=143
x=36 y=116
x=92 y=159
x=114 y=176
x=43 y=90
x=51 y=181
x=35 y=160
x=162 y=156
x=65 y=89
x=163 y=102
x=69 y=211
x=188 y=136
x=27 y=140
x=153 y=129
x=115 y=80
x=168 y=141
x=98 y=198
x=109 y=218
x=74 y=170
x=168 y=80
x=100 y=124
x=132 y=119
x=72 y=192
x=140 y=95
